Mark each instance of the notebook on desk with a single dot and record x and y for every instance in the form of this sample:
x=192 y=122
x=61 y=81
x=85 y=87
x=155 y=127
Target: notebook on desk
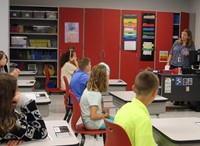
x=62 y=131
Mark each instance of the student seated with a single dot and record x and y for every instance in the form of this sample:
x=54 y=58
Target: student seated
x=91 y=103
x=3 y=66
x=69 y=66
x=134 y=116
x=80 y=77
x=14 y=126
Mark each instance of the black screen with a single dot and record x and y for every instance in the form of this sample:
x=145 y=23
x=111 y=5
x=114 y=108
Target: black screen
x=193 y=57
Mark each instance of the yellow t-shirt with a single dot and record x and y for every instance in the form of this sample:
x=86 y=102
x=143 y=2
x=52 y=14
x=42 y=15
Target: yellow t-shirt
x=134 y=118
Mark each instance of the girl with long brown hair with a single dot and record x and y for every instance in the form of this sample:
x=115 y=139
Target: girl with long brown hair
x=14 y=126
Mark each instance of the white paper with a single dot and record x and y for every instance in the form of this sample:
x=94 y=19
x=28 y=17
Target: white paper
x=130 y=45
x=168 y=85
x=146 y=52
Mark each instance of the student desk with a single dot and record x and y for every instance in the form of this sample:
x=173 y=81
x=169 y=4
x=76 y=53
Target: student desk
x=53 y=139
x=25 y=85
x=177 y=131
x=122 y=97
x=115 y=85
x=42 y=100
x=27 y=75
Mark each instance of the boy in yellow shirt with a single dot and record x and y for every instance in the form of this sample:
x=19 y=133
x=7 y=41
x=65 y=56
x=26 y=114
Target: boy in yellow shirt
x=134 y=116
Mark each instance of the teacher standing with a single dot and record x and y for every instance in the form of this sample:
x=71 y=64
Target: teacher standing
x=179 y=54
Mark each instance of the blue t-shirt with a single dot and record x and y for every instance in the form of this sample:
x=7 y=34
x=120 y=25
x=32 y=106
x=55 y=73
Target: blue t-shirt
x=78 y=83
x=178 y=59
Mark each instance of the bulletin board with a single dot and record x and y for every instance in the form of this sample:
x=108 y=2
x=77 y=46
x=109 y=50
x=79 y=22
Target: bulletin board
x=129 y=32
x=148 y=37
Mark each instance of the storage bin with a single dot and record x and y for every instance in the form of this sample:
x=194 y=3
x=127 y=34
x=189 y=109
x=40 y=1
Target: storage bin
x=39 y=14
x=16 y=28
x=41 y=29
x=15 y=13
x=52 y=29
x=26 y=14
x=19 y=41
x=51 y=14
x=40 y=42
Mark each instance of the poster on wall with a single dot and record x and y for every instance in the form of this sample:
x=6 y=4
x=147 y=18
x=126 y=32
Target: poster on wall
x=71 y=32
x=163 y=55
x=130 y=32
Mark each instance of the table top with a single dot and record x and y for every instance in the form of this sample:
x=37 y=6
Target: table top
x=116 y=82
x=25 y=73
x=56 y=137
x=26 y=83
x=39 y=97
x=186 y=129
x=127 y=96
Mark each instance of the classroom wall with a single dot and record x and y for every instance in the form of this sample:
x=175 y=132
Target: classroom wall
x=190 y=6
x=159 y=5
x=4 y=23
x=153 y=5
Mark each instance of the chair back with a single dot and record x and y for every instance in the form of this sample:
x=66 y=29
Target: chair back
x=47 y=74
x=116 y=135
x=66 y=99
x=76 y=110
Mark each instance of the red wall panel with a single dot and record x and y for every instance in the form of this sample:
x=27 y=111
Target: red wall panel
x=164 y=33
x=93 y=34
x=70 y=15
x=130 y=59
x=184 y=21
x=100 y=39
x=111 y=40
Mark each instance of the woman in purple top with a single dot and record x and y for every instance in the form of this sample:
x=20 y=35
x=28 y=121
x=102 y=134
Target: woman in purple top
x=179 y=53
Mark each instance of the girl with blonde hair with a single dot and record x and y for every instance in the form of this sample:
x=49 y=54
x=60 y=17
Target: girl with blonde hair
x=91 y=103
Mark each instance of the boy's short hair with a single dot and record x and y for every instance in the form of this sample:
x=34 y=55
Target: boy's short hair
x=145 y=82
x=83 y=62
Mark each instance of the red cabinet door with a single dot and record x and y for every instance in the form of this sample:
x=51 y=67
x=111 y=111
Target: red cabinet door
x=129 y=60
x=74 y=15
x=111 y=40
x=164 y=34
x=70 y=15
x=184 y=21
x=93 y=35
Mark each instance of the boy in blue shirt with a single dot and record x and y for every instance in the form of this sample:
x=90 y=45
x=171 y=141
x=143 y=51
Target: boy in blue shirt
x=80 y=77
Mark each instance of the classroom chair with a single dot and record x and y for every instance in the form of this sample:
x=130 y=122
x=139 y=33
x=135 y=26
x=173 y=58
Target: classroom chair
x=68 y=106
x=47 y=89
x=80 y=129
x=116 y=135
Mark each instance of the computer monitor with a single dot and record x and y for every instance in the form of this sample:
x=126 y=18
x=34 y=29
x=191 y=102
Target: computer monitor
x=194 y=58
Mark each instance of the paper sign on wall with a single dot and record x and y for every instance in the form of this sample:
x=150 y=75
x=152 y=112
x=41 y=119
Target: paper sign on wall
x=130 y=45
